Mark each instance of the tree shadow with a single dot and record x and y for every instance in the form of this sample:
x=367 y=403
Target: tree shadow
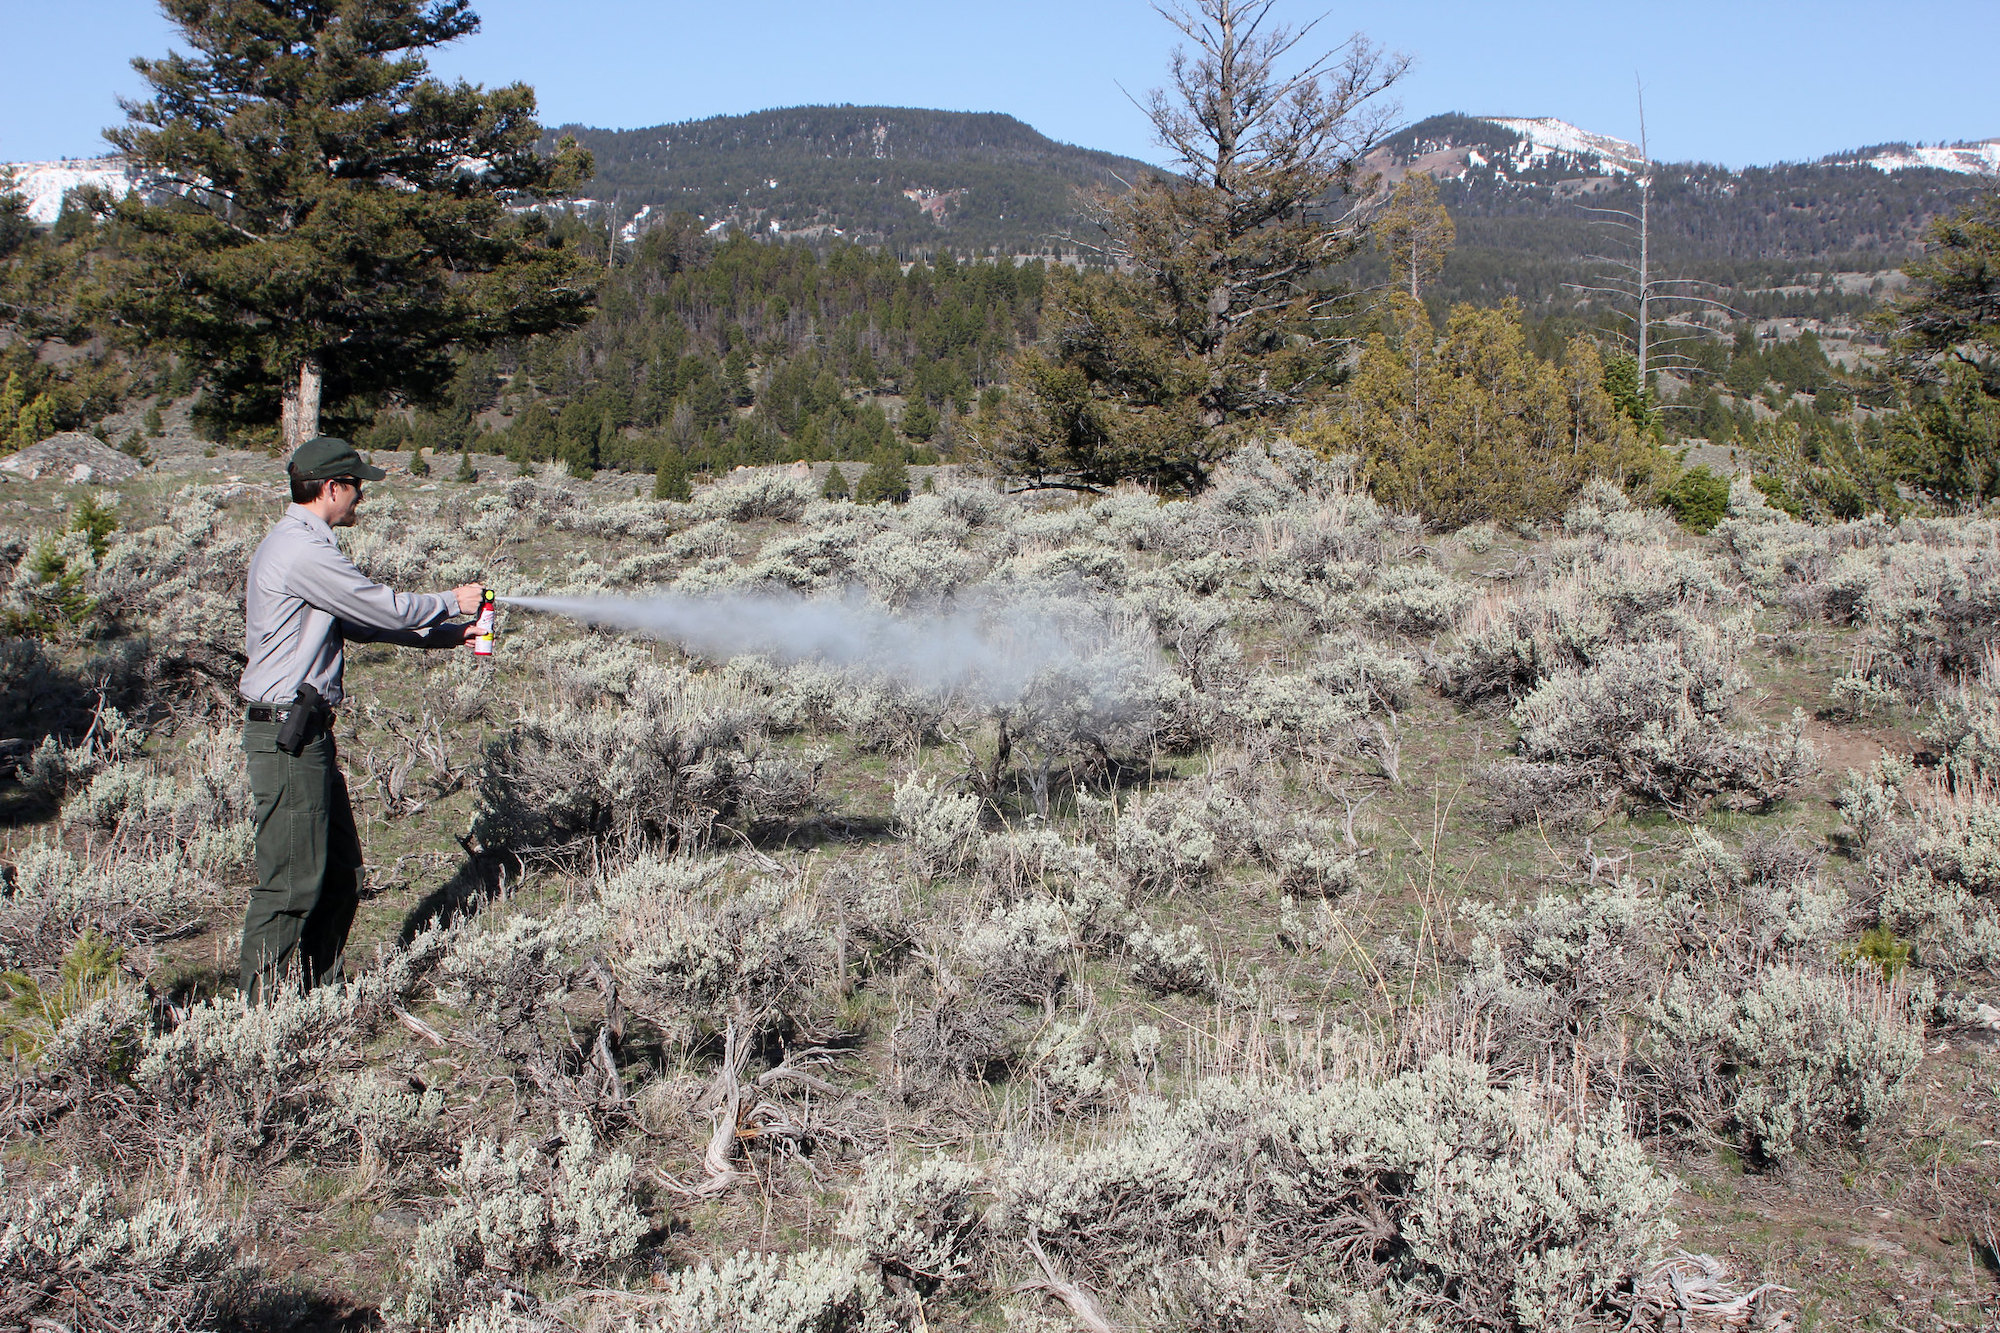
x=45 y=694
x=479 y=879
x=289 y=1305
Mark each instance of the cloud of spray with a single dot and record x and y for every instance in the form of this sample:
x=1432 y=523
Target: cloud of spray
x=994 y=652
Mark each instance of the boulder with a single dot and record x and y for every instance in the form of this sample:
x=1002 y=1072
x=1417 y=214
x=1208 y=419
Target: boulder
x=74 y=457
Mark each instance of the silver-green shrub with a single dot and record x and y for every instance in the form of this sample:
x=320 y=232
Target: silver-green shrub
x=920 y=1222
x=1937 y=876
x=1652 y=718
x=1020 y=952
x=1867 y=801
x=907 y=573
x=764 y=496
x=756 y=959
x=506 y=977
x=1507 y=646
x=1466 y=1202
x=813 y=1291
x=1589 y=951
x=1039 y=863
x=515 y=1208
x=1072 y=1068
x=1174 y=960
x=1604 y=510
x=131 y=896
x=1310 y=861
x=71 y=1258
x=940 y=830
x=681 y=751
x=512 y=1313
x=1177 y=836
x=255 y=1079
x=1418 y=600
x=203 y=804
x=1799 y=1056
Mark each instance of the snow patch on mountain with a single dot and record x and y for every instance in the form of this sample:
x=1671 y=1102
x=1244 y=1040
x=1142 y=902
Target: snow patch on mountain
x=1548 y=137
x=44 y=184
x=1965 y=159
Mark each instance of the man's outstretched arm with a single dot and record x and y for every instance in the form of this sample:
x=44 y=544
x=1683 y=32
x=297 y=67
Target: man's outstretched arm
x=333 y=584
x=447 y=635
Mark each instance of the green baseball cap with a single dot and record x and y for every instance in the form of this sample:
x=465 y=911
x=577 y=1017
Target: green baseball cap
x=325 y=457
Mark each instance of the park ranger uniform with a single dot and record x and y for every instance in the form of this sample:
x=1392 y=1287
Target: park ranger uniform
x=304 y=600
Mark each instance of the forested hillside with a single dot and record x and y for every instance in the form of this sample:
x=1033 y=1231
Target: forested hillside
x=740 y=351
x=1770 y=236
x=909 y=178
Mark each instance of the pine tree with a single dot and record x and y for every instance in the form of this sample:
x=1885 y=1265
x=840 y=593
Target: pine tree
x=1950 y=314
x=1944 y=352
x=670 y=478
x=466 y=472
x=14 y=223
x=1415 y=233
x=1222 y=323
x=343 y=226
x=534 y=433
x=920 y=420
x=887 y=478
x=836 y=484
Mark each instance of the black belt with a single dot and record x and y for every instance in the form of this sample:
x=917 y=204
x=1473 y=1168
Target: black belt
x=273 y=713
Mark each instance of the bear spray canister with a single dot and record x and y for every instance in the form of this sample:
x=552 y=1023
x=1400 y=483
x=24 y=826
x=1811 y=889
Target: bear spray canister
x=482 y=644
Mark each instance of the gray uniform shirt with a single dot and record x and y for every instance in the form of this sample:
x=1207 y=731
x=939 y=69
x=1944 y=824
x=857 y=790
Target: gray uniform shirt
x=305 y=599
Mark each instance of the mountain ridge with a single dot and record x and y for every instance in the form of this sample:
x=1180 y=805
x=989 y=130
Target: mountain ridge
x=916 y=179
x=1522 y=192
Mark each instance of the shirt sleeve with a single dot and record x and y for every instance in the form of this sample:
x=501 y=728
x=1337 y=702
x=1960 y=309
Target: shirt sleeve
x=330 y=581
x=445 y=635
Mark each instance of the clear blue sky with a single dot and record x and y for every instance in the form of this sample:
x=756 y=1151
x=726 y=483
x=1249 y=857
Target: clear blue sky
x=1737 y=82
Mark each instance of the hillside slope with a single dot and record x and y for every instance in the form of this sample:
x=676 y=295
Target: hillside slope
x=1520 y=191
x=893 y=175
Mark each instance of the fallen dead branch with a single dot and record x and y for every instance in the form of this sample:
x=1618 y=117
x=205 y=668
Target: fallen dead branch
x=1697 y=1291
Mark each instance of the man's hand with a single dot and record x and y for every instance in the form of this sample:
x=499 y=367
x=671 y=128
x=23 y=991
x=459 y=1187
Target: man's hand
x=469 y=597
x=471 y=633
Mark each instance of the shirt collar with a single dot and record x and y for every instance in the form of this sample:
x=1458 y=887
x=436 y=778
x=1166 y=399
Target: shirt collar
x=309 y=518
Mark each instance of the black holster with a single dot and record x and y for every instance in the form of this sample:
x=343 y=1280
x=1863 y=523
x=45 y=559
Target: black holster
x=307 y=709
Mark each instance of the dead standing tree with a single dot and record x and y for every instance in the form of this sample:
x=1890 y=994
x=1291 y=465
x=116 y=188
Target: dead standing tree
x=1631 y=282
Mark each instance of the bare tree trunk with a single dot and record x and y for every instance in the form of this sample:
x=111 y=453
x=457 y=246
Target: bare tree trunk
x=1645 y=281
x=300 y=413
x=1645 y=239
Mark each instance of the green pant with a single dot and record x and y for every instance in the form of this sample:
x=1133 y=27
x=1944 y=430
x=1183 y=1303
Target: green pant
x=308 y=862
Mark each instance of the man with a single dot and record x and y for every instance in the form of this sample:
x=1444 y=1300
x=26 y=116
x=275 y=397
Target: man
x=303 y=602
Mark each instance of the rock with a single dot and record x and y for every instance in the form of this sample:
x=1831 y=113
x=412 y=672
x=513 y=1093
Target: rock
x=79 y=457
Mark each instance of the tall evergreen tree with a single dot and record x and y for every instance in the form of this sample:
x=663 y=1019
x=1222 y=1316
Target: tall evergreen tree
x=14 y=224
x=1951 y=312
x=835 y=487
x=1415 y=233
x=1224 y=320
x=887 y=478
x=1944 y=352
x=342 y=222
x=670 y=477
